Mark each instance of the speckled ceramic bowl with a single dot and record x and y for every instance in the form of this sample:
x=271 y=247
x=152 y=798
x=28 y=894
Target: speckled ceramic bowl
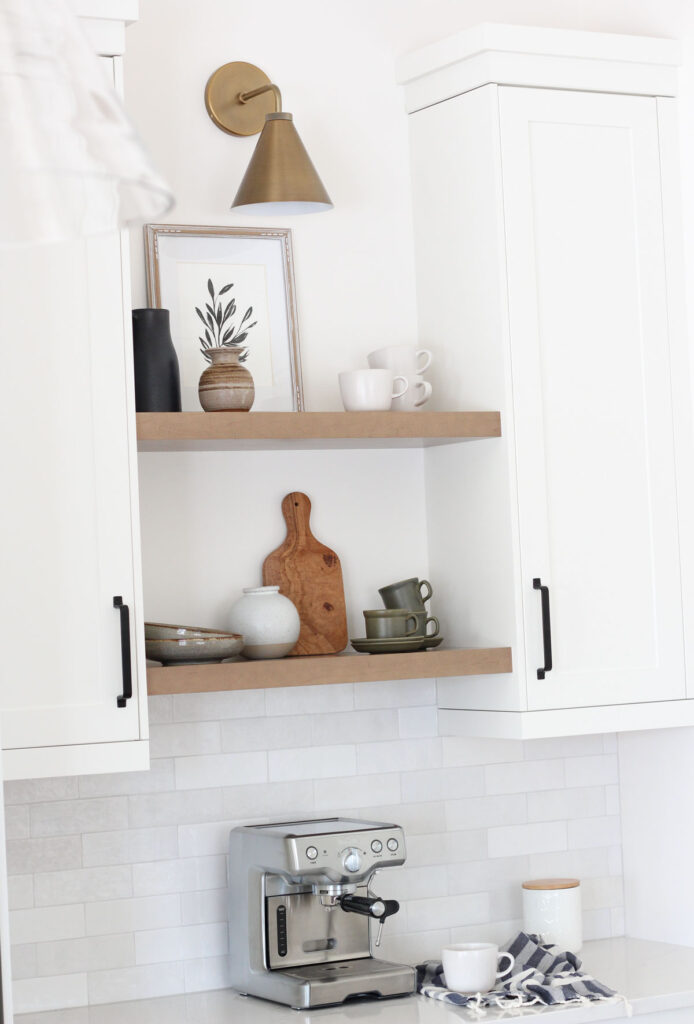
x=189 y=645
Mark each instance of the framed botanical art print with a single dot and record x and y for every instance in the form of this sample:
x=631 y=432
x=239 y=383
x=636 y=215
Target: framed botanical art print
x=233 y=287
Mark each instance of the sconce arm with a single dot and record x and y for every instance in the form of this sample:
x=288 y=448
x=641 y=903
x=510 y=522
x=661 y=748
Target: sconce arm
x=244 y=97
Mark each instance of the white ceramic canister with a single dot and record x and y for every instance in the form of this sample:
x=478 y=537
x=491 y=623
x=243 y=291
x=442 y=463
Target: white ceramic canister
x=552 y=910
x=268 y=621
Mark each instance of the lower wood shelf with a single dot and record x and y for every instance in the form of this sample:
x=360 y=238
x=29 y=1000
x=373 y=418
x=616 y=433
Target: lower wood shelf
x=325 y=669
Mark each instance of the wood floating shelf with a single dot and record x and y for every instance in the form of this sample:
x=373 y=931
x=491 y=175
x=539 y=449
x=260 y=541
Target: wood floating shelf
x=241 y=431
x=328 y=668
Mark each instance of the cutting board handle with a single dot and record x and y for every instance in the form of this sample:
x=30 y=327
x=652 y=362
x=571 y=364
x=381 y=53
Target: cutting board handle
x=296 y=509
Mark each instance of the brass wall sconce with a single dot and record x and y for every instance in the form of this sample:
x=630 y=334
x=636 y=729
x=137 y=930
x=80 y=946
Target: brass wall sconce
x=280 y=178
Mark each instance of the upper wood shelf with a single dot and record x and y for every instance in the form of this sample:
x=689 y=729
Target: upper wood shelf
x=239 y=431
x=328 y=668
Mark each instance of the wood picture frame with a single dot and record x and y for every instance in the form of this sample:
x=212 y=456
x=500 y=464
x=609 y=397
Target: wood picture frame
x=181 y=260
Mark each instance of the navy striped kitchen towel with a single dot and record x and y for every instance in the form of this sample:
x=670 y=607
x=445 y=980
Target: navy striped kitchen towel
x=542 y=975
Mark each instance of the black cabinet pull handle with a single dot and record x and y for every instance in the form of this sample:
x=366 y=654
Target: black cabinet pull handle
x=124 y=651
x=546 y=628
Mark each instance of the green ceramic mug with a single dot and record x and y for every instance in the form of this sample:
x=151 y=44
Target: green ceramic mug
x=387 y=623
x=423 y=621
x=407 y=594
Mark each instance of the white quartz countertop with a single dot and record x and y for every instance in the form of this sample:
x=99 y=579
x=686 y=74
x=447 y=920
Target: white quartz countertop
x=652 y=975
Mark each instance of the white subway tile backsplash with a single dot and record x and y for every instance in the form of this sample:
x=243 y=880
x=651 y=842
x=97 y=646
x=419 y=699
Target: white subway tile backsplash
x=213 y=770
x=48 y=854
x=485 y=811
x=184 y=875
x=20 y=892
x=524 y=777
x=34 y=995
x=74 y=956
x=518 y=839
x=17 y=821
x=266 y=733
x=416 y=819
x=121 y=890
x=24 y=961
x=398 y=755
x=399 y=693
x=597 y=893
x=612 y=805
x=442 y=784
x=447 y=912
x=29 y=791
x=309 y=700
x=269 y=800
x=459 y=751
x=311 y=763
x=129 y=846
x=589 y=832
x=160 y=710
x=562 y=804
x=185 y=943
x=175 y=808
x=562 y=746
x=590 y=863
x=356 y=790
x=357 y=726
x=207 y=973
x=204 y=907
x=416 y=722
x=46 y=924
x=601 y=770
x=205 y=840
x=136 y=983
x=180 y=740
x=82 y=886
x=133 y=915
x=70 y=817
x=488 y=875
x=159 y=779
x=214 y=707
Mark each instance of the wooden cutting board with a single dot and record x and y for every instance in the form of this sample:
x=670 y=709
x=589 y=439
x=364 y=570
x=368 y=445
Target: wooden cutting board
x=310 y=575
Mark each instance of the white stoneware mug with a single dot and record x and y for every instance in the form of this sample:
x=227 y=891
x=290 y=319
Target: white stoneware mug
x=418 y=392
x=370 y=390
x=407 y=360
x=471 y=967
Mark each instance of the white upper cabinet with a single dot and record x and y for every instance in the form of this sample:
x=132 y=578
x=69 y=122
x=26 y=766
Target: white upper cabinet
x=72 y=682
x=542 y=228
x=591 y=395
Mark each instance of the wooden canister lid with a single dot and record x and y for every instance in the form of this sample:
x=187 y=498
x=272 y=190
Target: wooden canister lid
x=552 y=883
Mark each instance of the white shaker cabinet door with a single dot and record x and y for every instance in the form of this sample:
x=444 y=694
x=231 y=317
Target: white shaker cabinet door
x=592 y=400
x=67 y=530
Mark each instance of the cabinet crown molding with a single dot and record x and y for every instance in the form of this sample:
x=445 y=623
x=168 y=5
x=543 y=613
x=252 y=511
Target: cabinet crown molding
x=542 y=57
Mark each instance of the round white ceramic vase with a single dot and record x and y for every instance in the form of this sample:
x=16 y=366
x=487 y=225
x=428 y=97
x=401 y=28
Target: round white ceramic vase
x=268 y=621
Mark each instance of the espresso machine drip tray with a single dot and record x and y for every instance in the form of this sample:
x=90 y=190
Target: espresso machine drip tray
x=335 y=982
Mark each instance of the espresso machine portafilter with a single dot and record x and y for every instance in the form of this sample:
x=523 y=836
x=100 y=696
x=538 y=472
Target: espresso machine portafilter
x=300 y=909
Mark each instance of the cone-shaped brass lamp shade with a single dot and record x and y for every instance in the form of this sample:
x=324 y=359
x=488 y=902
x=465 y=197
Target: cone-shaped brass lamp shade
x=280 y=179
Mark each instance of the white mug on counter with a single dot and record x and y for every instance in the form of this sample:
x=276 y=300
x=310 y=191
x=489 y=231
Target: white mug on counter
x=371 y=390
x=471 y=967
x=407 y=360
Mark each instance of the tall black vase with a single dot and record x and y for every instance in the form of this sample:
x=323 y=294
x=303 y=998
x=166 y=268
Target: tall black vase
x=157 y=378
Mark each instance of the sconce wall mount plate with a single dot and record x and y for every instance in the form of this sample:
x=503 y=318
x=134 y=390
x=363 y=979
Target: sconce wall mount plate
x=227 y=110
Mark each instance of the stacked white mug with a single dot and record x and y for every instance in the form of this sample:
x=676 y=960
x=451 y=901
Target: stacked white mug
x=409 y=362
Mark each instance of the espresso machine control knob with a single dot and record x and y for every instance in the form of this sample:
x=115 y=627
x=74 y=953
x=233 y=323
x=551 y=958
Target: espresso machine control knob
x=351 y=859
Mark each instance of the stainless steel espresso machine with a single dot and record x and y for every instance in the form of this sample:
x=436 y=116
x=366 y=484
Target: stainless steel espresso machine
x=300 y=910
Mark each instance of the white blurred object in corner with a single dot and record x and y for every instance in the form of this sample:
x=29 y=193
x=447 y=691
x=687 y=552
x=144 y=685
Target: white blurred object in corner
x=70 y=161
